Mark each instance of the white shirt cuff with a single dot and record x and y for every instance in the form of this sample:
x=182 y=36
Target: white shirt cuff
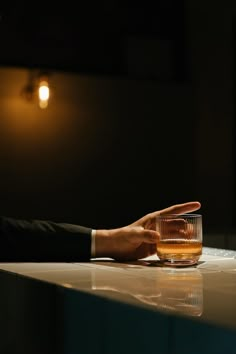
x=93 y=250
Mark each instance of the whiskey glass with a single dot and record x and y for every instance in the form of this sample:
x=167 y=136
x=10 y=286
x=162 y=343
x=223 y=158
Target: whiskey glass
x=180 y=239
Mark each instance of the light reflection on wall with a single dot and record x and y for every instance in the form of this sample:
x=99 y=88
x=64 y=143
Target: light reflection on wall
x=39 y=148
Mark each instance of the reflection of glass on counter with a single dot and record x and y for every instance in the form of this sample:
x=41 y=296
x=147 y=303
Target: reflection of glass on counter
x=175 y=290
x=181 y=290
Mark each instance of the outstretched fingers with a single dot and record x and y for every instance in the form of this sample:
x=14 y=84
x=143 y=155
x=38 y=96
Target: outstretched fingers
x=148 y=221
x=177 y=209
x=181 y=208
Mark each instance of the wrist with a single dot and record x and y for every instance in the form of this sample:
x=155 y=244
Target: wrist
x=103 y=243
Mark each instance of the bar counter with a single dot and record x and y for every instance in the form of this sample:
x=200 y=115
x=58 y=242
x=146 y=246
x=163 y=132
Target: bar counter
x=106 y=307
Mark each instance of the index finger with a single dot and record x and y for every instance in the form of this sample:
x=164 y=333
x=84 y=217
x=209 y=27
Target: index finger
x=178 y=209
x=181 y=208
x=148 y=221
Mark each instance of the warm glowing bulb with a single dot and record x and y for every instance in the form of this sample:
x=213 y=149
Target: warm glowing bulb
x=44 y=94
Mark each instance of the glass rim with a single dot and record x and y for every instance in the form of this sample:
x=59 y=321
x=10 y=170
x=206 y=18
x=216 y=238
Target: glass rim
x=192 y=215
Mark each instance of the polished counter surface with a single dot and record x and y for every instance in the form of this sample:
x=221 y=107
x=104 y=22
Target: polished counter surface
x=188 y=297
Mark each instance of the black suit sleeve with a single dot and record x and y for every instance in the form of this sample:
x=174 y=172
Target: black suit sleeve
x=43 y=241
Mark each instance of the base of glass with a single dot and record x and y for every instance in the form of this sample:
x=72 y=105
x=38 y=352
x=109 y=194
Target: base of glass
x=179 y=262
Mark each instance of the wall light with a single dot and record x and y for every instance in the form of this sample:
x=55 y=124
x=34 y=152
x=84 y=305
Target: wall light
x=37 y=88
x=43 y=91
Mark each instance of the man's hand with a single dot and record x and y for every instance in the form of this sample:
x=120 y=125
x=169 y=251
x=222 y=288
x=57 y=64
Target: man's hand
x=139 y=239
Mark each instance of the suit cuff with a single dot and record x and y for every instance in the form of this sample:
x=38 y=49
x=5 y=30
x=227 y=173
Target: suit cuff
x=93 y=250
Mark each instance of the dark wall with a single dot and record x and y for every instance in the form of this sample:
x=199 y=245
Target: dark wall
x=111 y=147
x=99 y=38
x=103 y=153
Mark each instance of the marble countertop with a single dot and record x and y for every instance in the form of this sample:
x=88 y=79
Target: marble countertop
x=205 y=292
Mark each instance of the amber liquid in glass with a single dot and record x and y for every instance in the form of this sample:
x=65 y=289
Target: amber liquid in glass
x=178 y=250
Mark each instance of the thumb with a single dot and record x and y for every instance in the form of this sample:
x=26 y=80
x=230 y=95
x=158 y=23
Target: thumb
x=150 y=236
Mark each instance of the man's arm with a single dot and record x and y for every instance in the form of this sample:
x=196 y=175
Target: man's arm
x=43 y=241
x=48 y=241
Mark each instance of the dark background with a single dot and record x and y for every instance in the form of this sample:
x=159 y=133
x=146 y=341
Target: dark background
x=149 y=97
x=94 y=38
